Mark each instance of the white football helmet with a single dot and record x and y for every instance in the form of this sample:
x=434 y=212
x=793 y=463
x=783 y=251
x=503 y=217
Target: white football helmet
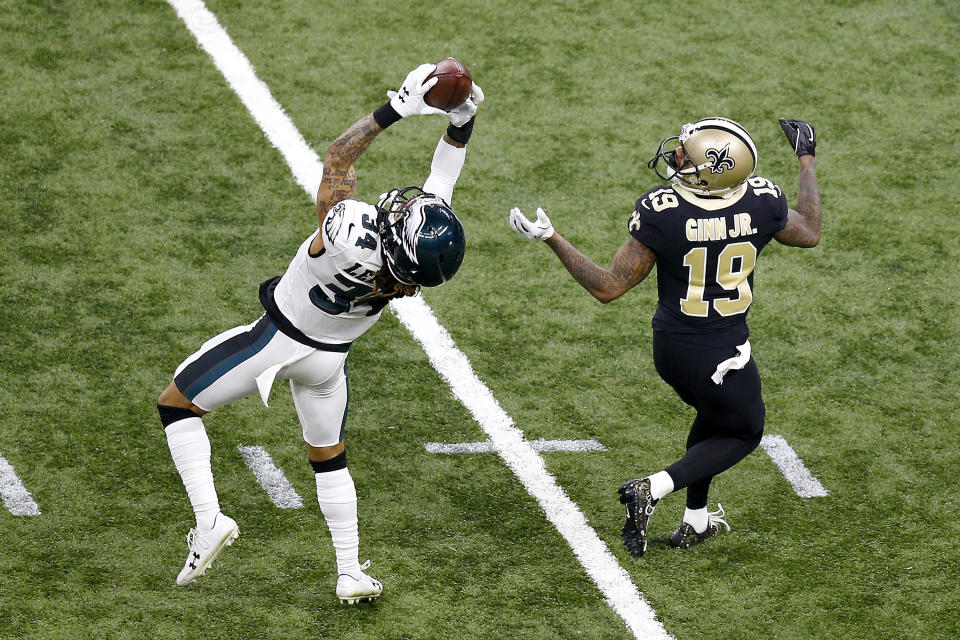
x=719 y=157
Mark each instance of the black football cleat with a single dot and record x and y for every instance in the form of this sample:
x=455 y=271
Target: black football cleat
x=686 y=536
x=636 y=497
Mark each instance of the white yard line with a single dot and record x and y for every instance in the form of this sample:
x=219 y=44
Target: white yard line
x=15 y=496
x=240 y=75
x=487 y=446
x=529 y=467
x=601 y=565
x=804 y=483
x=271 y=478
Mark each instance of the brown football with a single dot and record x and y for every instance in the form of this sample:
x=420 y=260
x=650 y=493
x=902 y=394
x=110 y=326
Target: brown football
x=453 y=85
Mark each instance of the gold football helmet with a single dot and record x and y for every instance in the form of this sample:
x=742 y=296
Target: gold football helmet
x=718 y=156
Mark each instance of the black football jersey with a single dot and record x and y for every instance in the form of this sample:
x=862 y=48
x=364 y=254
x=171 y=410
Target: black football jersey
x=706 y=252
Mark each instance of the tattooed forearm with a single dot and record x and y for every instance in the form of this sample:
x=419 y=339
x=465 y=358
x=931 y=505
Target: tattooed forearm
x=804 y=225
x=808 y=202
x=630 y=266
x=339 y=180
x=583 y=269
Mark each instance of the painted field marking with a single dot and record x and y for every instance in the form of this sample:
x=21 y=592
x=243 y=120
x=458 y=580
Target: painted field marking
x=16 y=498
x=804 y=483
x=601 y=565
x=239 y=74
x=540 y=444
x=508 y=441
x=271 y=477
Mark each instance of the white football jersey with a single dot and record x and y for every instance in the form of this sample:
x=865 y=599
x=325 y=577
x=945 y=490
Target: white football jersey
x=328 y=296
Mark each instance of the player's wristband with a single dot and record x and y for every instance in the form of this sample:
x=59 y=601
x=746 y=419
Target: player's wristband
x=461 y=134
x=386 y=115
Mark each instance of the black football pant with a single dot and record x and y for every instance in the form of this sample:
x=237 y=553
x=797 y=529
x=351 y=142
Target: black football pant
x=729 y=422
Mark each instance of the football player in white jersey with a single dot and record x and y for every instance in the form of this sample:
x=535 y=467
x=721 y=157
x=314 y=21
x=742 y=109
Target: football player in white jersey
x=360 y=257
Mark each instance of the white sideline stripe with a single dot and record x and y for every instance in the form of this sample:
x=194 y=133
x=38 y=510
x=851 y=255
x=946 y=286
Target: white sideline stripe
x=614 y=582
x=271 y=477
x=538 y=445
x=804 y=483
x=15 y=496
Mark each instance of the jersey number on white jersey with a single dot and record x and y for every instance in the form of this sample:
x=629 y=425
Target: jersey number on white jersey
x=335 y=300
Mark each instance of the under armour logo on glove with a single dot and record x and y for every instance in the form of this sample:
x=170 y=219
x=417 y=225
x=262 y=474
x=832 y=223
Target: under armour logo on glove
x=409 y=99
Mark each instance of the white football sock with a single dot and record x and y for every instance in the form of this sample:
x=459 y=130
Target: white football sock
x=338 y=502
x=661 y=484
x=697 y=518
x=190 y=449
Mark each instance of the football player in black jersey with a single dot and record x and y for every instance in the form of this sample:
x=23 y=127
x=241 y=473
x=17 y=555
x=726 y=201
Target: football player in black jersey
x=704 y=232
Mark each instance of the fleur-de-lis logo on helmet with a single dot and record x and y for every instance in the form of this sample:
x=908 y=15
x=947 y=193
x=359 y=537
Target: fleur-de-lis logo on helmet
x=720 y=159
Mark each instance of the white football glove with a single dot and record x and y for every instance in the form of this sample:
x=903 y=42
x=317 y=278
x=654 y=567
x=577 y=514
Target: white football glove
x=408 y=100
x=461 y=115
x=386 y=199
x=539 y=229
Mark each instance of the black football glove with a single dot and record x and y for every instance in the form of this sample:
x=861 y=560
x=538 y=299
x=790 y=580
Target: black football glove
x=800 y=136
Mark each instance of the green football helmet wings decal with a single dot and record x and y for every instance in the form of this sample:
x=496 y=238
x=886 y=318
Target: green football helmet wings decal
x=423 y=240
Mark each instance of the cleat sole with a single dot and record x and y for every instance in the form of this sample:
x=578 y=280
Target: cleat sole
x=358 y=599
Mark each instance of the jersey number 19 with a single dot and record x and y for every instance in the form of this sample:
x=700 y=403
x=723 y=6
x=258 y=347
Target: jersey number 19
x=734 y=264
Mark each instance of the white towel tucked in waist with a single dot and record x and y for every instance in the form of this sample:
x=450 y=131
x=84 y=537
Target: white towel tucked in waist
x=736 y=362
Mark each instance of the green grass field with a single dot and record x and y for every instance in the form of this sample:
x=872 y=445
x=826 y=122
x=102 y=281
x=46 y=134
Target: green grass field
x=141 y=205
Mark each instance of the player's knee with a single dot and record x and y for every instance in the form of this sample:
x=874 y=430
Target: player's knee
x=753 y=424
x=173 y=406
x=748 y=421
x=169 y=415
x=337 y=462
x=757 y=418
x=171 y=397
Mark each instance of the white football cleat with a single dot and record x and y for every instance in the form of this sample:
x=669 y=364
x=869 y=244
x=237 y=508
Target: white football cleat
x=206 y=546
x=362 y=588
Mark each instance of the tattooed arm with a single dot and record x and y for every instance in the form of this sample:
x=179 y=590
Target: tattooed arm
x=803 y=225
x=339 y=181
x=630 y=266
